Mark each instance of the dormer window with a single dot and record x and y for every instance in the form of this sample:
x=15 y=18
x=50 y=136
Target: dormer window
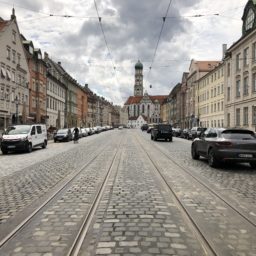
x=249 y=19
x=30 y=49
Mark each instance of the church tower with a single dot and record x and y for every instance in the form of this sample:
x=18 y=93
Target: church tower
x=138 y=86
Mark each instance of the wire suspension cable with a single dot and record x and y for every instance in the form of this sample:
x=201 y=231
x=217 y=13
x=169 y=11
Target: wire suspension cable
x=162 y=27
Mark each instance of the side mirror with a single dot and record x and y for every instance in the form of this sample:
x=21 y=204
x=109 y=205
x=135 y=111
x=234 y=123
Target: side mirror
x=33 y=132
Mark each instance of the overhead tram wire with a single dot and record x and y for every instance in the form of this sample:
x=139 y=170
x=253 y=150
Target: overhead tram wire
x=159 y=37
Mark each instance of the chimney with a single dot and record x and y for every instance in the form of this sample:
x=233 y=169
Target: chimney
x=224 y=49
x=86 y=86
x=59 y=63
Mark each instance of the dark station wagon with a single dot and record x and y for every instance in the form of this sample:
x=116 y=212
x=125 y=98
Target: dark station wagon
x=225 y=145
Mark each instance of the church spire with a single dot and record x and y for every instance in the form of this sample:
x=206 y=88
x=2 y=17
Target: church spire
x=13 y=17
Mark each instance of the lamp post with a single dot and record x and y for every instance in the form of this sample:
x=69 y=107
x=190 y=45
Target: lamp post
x=16 y=101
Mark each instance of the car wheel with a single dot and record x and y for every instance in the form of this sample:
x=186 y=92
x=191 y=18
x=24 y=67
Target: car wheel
x=194 y=153
x=29 y=148
x=253 y=165
x=151 y=137
x=44 y=144
x=212 y=159
x=55 y=141
x=170 y=139
x=5 y=152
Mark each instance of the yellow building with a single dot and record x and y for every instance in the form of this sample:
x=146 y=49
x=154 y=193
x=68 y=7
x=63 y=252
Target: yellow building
x=209 y=104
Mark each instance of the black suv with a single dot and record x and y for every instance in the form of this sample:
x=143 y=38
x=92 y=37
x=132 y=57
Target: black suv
x=161 y=131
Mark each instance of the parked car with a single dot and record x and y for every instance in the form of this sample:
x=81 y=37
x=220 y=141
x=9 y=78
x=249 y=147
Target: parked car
x=161 y=131
x=24 y=138
x=223 y=145
x=195 y=132
x=176 y=132
x=144 y=127
x=185 y=133
x=150 y=127
x=83 y=132
x=63 y=135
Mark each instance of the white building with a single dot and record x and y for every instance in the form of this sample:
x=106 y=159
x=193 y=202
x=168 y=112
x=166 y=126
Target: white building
x=142 y=103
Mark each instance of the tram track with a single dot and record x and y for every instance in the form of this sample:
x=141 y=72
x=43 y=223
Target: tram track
x=51 y=195
x=205 y=239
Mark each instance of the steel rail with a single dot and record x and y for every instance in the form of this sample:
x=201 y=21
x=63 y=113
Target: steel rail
x=218 y=195
x=209 y=250
x=65 y=184
x=77 y=243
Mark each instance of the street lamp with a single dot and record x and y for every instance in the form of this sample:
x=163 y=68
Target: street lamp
x=16 y=101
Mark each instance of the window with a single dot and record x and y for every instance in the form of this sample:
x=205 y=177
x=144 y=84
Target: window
x=250 y=19
x=14 y=36
x=8 y=52
x=13 y=56
x=222 y=88
x=238 y=88
x=254 y=115
x=246 y=56
x=254 y=52
x=245 y=115
x=238 y=62
x=228 y=120
x=228 y=71
x=238 y=117
x=254 y=82
x=246 y=90
x=18 y=55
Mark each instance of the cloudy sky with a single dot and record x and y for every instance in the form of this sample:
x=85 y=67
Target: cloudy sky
x=104 y=54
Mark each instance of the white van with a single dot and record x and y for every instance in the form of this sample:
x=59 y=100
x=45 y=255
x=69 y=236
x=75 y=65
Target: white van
x=24 y=138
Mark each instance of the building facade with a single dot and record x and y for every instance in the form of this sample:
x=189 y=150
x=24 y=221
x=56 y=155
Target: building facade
x=240 y=78
x=14 y=75
x=210 y=98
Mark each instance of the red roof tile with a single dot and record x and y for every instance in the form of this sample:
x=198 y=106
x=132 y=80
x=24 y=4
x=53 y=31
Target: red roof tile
x=137 y=99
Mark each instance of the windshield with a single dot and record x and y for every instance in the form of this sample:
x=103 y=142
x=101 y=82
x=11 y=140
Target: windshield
x=24 y=129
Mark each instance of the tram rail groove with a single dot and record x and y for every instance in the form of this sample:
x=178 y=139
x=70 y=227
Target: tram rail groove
x=76 y=246
x=50 y=197
x=218 y=195
x=209 y=251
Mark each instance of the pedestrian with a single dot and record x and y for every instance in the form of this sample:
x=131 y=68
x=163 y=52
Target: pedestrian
x=76 y=135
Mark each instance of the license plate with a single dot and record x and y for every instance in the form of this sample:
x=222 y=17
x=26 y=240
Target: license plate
x=246 y=155
x=11 y=146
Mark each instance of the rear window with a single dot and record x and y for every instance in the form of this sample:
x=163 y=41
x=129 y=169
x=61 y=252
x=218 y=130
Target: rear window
x=201 y=129
x=164 y=127
x=238 y=135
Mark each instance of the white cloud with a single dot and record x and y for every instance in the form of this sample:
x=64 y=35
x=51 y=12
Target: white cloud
x=131 y=29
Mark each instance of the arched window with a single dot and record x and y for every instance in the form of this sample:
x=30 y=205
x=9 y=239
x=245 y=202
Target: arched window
x=148 y=110
x=143 y=109
x=138 y=109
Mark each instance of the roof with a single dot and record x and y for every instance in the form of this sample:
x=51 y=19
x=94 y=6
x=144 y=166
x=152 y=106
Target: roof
x=138 y=65
x=207 y=65
x=3 y=24
x=137 y=99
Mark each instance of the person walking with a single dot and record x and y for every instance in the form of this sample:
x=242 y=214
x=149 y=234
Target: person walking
x=76 y=135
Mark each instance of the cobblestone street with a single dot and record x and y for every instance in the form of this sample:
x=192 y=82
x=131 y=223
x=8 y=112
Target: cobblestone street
x=119 y=193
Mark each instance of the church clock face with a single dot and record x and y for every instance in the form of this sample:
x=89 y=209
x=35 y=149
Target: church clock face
x=249 y=19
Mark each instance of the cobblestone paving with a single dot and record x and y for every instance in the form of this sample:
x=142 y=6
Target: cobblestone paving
x=234 y=181
x=227 y=231
x=19 y=190
x=136 y=217
x=53 y=230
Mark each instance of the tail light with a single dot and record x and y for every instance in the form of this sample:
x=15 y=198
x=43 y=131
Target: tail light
x=223 y=143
